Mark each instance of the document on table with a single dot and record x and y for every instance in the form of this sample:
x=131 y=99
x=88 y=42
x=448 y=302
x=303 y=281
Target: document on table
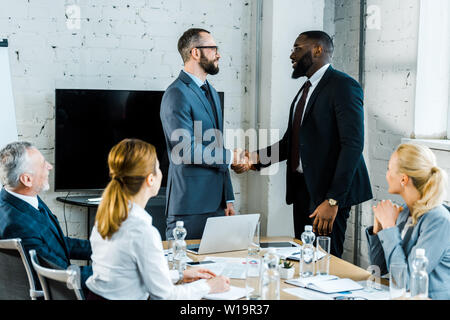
x=234 y=293
x=326 y=284
x=234 y=268
x=367 y=293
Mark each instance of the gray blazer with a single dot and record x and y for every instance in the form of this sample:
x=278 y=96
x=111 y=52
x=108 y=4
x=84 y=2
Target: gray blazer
x=201 y=183
x=432 y=233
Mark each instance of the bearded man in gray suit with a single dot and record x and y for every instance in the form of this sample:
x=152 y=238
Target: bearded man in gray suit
x=199 y=184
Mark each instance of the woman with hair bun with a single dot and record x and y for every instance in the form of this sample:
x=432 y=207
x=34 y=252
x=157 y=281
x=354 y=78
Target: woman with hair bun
x=423 y=222
x=127 y=255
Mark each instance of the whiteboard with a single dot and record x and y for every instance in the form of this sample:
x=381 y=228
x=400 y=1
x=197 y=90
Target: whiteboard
x=8 y=127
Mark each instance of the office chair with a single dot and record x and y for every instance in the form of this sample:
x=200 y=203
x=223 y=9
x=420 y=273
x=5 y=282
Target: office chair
x=58 y=284
x=17 y=281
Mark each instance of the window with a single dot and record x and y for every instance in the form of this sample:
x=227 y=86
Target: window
x=432 y=109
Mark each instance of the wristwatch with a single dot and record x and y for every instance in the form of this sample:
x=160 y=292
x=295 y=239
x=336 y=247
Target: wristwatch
x=332 y=202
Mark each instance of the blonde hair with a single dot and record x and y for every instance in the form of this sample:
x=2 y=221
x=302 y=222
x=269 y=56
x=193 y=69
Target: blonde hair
x=130 y=162
x=419 y=164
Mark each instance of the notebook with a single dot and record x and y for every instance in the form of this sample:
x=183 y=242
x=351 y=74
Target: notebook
x=326 y=284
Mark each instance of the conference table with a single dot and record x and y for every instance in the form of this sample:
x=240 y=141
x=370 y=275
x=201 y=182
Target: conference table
x=338 y=267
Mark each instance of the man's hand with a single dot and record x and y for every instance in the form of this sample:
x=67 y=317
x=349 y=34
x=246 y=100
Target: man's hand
x=324 y=218
x=194 y=274
x=240 y=161
x=244 y=161
x=229 y=211
x=253 y=159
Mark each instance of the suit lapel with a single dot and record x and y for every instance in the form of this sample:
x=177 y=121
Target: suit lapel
x=323 y=82
x=193 y=86
x=34 y=214
x=57 y=229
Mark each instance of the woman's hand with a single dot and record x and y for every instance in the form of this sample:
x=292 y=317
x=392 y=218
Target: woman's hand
x=219 y=284
x=194 y=274
x=376 y=225
x=386 y=213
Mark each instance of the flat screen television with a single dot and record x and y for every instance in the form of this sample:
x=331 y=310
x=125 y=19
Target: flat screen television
x=90 y=122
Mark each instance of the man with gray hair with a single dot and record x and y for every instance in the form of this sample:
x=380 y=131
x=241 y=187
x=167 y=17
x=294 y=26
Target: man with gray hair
x=23 y=175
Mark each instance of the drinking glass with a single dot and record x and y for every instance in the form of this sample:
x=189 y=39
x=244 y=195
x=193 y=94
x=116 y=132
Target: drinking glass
x=253 y=277
x=323 y=247
x=253 y=245
x=397 y=280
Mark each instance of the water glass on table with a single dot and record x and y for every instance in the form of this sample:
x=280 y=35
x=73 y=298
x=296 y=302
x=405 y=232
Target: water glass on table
x=397 y=280
x=323 y=246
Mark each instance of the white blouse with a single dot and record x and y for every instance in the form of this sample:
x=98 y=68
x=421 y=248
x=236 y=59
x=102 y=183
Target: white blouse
x=131 y=265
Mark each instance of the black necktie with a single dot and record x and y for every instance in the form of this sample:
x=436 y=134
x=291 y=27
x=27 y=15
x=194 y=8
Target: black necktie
x=295 y=154
x=211 y=102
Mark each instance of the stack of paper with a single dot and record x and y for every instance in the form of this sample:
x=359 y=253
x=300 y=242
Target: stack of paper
x=234 y=268
x=233 y=294
x=326 y=284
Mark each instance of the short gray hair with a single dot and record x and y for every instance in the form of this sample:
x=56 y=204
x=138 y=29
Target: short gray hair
x=13 y=162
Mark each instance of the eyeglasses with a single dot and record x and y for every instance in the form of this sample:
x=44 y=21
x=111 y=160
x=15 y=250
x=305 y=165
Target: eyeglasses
x=216 y=48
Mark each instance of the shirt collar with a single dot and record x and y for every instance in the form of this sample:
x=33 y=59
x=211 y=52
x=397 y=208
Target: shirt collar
x=197 y=81
x=317 y=76
x=33 y=201
x=139 y=211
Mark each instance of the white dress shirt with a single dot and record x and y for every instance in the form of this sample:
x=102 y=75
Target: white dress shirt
x=33 y=201
x=315 y=79
x=131 y=265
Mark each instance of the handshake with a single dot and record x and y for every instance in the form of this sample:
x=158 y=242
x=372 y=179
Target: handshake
x=243 y=161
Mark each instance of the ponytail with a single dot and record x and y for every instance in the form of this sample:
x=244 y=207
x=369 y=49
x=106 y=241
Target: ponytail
x=433 y=193
x=114 y=200
x=419 y=163
x=130 y=163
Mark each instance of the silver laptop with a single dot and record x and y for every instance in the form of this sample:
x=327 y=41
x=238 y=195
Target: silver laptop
x=223 y=234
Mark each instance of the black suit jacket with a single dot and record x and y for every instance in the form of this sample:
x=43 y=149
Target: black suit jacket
x=331 y=143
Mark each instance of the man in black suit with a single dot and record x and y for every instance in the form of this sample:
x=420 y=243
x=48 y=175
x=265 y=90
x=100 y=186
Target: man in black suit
x=323 y=144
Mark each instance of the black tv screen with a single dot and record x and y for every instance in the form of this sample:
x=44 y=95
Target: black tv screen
x=90 y=122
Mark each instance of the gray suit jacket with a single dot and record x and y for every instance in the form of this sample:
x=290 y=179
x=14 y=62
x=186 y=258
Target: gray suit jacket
x=432 y=233
x=199 y=179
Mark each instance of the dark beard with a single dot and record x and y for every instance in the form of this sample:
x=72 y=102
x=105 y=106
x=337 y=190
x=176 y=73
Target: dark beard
x=303 y=65
x=208 y=65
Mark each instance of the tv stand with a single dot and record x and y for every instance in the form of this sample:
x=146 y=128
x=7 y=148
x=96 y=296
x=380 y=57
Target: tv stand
x=156 y=207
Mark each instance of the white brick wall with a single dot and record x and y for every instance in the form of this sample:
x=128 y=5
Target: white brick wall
x=120 y=45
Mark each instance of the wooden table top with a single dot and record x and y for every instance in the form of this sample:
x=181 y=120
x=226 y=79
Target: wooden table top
x=338 y=267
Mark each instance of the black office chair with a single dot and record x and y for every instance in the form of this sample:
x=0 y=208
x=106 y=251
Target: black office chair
x=17 y=281
x=58 y=284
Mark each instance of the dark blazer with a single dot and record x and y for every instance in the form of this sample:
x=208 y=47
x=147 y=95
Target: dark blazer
x=202 y=182
x=18 y=219
x=331 y=143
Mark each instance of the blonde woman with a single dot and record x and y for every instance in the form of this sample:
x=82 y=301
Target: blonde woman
x=423 y=222
x=127 y=255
